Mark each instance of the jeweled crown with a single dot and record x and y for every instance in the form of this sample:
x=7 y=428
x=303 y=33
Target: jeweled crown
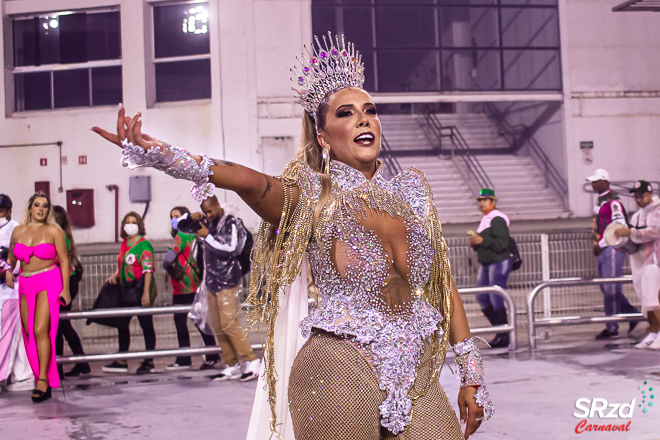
x=335 y=64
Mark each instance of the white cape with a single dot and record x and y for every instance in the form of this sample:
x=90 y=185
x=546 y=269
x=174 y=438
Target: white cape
x=288 y=340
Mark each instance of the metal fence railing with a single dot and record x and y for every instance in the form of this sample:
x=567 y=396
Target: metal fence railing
x=533 y=322
x=545 y=257
x=509 y=328
x=95 y=338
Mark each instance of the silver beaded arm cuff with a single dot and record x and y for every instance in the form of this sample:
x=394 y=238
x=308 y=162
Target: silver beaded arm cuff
x=175 y=162
x=471 y=372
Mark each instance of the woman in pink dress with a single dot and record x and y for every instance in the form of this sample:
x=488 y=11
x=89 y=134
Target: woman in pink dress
x=43 y=285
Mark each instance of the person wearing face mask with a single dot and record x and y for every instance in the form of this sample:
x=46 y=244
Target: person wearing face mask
x=15 y=371
x=135 y=267
x=180 y=262
x=491 y=241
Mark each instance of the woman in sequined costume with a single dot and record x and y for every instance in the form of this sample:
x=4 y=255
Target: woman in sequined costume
x=388 y=305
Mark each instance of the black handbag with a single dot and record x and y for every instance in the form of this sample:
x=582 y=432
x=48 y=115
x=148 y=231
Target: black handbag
x=175 y=270
x=109 y=298
x=131 y=293
x=516 y=260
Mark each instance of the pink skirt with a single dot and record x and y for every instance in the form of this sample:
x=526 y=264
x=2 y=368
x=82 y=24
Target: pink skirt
x=49 y=281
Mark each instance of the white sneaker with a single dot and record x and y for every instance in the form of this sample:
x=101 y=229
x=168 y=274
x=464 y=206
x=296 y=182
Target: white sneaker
x=656 y=344
x=251 y=370
x=227 y=373
x=177 y=367
x=647 y=342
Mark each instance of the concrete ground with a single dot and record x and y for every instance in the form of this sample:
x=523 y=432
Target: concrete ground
x=535 y=398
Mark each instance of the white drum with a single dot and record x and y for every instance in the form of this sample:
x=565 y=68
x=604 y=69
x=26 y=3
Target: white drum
x=622 y=244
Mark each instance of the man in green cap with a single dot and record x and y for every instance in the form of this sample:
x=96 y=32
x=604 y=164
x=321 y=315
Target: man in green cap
x=491 y=241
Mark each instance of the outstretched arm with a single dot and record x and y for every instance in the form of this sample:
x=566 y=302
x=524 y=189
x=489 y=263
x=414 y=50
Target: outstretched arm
x=263 y=193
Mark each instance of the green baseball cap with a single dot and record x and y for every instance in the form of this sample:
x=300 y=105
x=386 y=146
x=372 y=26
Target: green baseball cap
x=487 y=193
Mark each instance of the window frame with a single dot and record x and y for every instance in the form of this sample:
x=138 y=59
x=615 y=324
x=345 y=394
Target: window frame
x=152 y=61
x=11 y=69
x=436 y=8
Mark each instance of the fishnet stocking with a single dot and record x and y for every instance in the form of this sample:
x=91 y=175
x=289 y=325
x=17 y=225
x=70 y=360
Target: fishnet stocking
x=334 y=395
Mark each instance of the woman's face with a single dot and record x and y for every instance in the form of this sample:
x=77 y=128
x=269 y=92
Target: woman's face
x=352 y=130
x=485 y=205
x=39 y=209
x=175 y=214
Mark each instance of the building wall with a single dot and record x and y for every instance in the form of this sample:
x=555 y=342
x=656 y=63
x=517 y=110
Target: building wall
x=251 y=119
x=250 y=58
x=613 y=55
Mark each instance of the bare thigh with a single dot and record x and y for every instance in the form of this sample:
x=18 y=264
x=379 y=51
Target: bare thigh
x=42 y=315
x=25 y=314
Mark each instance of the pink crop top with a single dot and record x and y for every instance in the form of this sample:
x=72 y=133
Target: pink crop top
x=43 y=251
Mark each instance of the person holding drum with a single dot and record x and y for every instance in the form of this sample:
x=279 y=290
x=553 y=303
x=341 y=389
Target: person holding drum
x=608 y=210
x=645 y=263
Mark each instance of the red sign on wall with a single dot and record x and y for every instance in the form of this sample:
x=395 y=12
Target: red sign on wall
x=43 y=162
x=82 y=160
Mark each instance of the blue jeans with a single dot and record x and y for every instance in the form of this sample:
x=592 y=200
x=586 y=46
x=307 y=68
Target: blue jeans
x=610 y=265
x=493 y=274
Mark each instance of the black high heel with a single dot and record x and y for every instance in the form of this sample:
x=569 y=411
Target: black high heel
x=42 y=395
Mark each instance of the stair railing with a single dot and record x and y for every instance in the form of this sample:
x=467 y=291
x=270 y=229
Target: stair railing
x=465 y=161
x=391 y=163
x=514 y=135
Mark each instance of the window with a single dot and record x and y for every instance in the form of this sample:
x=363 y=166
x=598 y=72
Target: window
x=449 y=45
x=66 y=60
x=182 y=60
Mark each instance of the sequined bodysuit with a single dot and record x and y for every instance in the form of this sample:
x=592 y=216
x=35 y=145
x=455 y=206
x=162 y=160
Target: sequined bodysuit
x=371 y=259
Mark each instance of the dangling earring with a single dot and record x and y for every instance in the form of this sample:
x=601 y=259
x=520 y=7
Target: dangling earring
x=326 y=160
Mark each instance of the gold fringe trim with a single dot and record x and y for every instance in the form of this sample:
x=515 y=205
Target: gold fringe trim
x=277 y=256
x=279 y=252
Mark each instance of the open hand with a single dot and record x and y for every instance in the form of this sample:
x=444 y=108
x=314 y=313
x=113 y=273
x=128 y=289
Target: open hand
x=112 y=279
x=128 y=128
x=472 y=415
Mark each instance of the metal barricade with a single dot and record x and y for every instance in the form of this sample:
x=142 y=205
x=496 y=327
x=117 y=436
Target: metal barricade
x=136 y=311
x=534 y=323
x=509 y=328
x=141 y=311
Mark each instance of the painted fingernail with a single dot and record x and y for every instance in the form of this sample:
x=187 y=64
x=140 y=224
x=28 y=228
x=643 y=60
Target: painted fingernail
x=121 y=105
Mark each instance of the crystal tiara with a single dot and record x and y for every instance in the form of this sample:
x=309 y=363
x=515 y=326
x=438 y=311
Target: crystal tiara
x=327 y=68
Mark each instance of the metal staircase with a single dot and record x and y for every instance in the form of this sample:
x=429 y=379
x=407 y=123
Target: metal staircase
x=453 y=151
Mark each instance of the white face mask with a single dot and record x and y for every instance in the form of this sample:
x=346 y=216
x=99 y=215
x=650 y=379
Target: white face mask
x=131 y=229
x=3 y=221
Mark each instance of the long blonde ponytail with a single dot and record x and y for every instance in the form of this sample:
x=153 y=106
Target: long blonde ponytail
x=311 y=153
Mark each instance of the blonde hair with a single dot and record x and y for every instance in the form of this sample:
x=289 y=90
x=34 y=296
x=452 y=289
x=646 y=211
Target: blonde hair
x=49 y=220
x=311 y=152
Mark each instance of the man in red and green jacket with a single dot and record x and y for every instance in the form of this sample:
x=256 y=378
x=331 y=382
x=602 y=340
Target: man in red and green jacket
x=608 y=210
